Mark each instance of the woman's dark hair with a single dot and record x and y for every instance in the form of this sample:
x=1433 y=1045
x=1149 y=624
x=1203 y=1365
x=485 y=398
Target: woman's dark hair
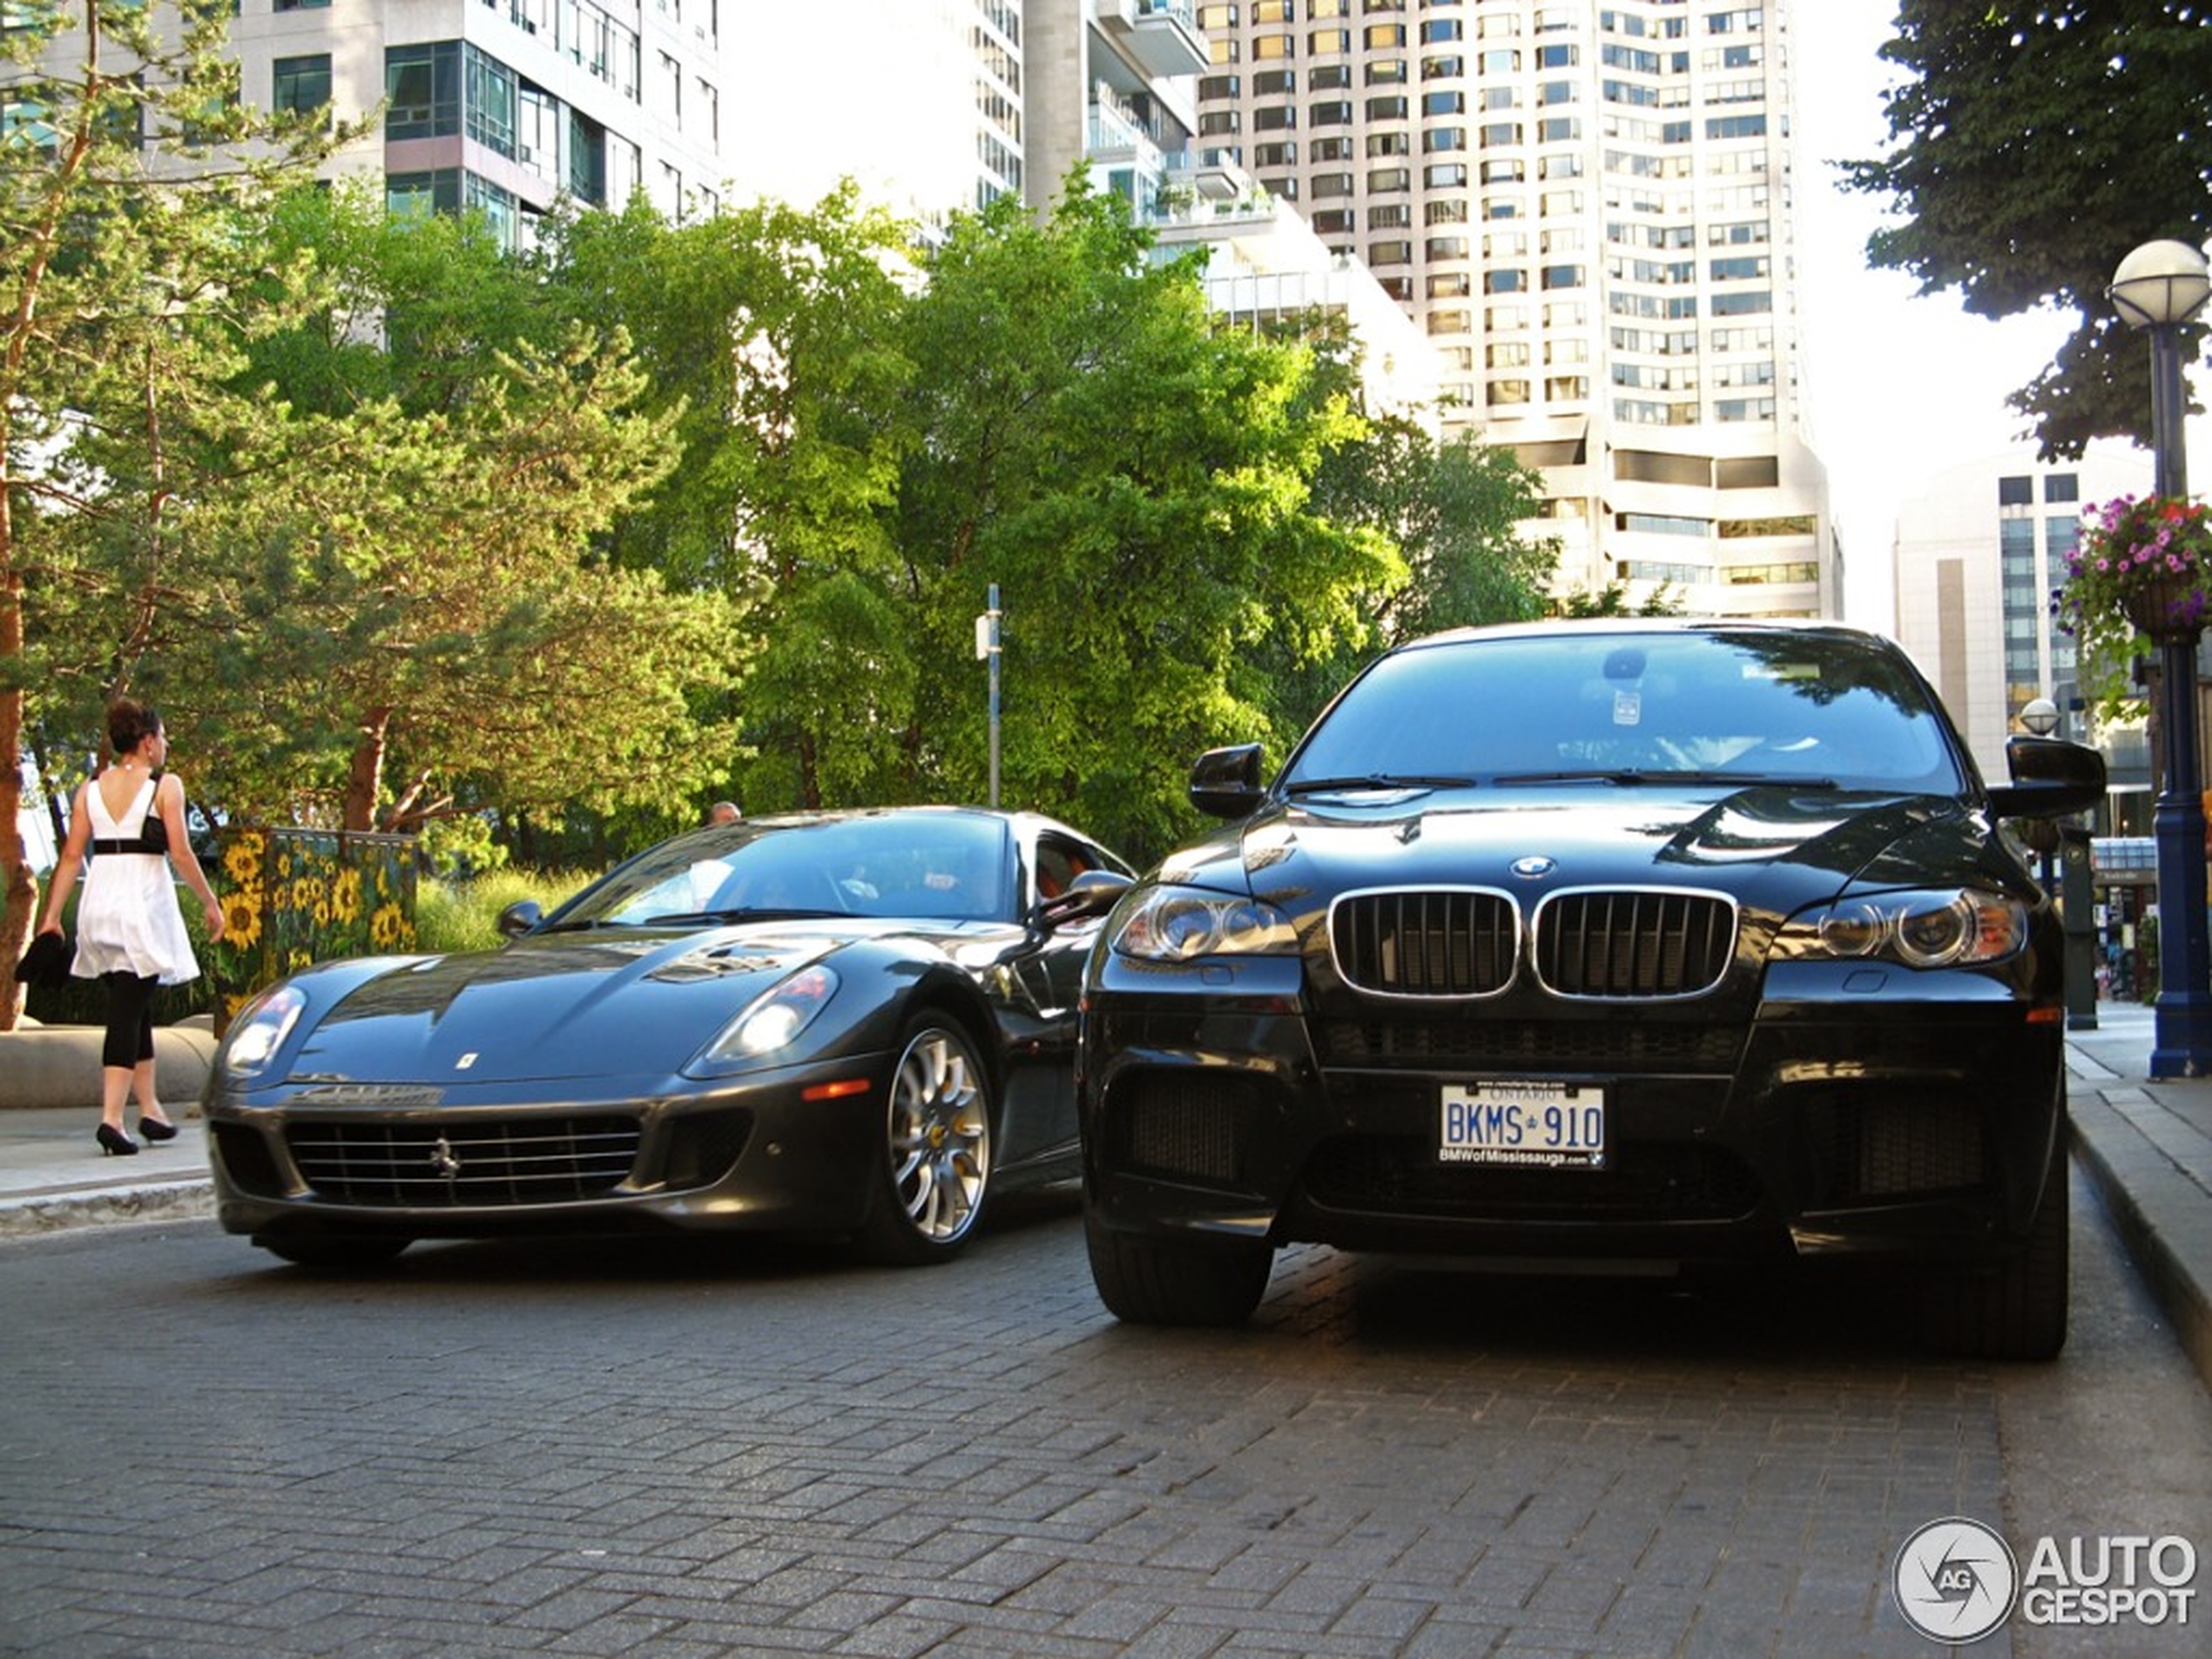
x=129 y=725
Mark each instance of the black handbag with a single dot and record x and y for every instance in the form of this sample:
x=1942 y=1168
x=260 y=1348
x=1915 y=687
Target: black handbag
x=46 y=963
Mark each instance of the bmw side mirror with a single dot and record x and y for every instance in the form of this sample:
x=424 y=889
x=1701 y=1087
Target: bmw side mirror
x=1226 y=782
x=2051 y=778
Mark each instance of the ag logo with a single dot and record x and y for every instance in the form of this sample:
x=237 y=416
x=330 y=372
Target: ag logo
x=1954 y=1581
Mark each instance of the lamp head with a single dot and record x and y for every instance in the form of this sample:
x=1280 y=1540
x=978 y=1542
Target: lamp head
x=2159 y=284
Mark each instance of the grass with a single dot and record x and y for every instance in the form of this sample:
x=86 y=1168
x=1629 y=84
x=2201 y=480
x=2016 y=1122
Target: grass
x=464 y=916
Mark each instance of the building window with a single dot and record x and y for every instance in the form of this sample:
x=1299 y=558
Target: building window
x=300 y=85
x=489 y=94
x=422 y=96
x=1736 y=126
x=2015 y=492
x=2062 y=486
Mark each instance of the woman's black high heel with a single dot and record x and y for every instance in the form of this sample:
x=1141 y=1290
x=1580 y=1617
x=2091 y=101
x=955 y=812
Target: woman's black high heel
x=114 y=1142
x=155 y=1130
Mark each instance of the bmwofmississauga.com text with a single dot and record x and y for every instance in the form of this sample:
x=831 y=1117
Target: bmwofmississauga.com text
x=1955 y=1581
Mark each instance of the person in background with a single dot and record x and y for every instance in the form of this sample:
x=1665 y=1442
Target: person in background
x=129 y=932
x=723 y=812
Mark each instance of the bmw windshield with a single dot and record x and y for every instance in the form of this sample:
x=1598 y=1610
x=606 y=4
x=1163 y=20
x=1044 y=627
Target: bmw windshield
x=1804 y=709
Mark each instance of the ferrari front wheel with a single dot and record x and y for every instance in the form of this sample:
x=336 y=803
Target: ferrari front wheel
x=936 y=1160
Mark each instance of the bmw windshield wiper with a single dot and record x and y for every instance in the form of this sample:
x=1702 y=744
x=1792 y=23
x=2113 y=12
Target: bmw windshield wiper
x=1631 y=775
x=1376 y=780
x=715 y=918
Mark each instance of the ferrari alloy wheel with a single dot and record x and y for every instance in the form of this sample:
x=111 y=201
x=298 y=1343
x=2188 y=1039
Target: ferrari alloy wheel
x=937 y=1143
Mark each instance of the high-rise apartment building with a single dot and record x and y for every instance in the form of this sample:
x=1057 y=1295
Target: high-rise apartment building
x=1587 y=207
x=503 y=106
x=506 y=106
x=1979 y=552
x=921 y=102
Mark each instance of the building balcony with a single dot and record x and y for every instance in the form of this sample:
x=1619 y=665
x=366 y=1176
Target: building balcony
x=1208 y=175
x=1111 y=138
x=1161 y=36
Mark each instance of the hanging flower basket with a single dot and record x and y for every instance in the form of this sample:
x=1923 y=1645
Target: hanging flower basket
x=2141 y=576
x=2166 y=609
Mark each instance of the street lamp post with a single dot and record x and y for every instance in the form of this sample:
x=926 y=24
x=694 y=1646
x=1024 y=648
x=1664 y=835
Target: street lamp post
x=2158 y=288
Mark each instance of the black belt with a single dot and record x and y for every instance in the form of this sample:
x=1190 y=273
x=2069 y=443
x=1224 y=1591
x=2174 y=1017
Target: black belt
x=136 y=844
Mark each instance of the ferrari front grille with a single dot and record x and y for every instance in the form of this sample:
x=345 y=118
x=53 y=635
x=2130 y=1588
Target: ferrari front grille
x=464 y=1164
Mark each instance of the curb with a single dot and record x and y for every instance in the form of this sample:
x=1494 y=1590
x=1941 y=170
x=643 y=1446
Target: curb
x=38 y=1215
x=2161 y=1215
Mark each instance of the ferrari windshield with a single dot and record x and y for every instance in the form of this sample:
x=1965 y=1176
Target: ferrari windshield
x=1810 y=709
x=946 y=866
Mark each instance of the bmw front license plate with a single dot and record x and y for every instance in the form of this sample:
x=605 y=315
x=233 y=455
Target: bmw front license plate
x=1535 y=1124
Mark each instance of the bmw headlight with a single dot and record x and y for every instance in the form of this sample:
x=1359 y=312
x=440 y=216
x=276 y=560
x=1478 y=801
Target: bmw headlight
x=1180 y=924
x=771 y=1022
x=258 y=1032
x=1946 y=927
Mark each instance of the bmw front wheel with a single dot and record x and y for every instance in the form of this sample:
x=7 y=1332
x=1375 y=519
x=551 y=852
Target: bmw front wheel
x=1161 y=1281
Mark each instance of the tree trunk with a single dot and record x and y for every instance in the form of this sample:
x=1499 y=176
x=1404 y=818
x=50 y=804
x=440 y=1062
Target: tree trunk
x=365 y=777
x=19 y=893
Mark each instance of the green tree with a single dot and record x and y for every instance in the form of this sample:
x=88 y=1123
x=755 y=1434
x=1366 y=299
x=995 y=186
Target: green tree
x=1138 y=481
x=417 y=628
x=773 y=331
x=129 y=176
x=2035 y=144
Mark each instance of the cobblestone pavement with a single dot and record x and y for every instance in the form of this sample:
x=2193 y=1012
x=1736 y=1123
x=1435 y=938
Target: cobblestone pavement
x=679 y=1451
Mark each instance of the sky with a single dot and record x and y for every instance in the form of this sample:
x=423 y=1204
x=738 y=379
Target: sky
x=1901 y=387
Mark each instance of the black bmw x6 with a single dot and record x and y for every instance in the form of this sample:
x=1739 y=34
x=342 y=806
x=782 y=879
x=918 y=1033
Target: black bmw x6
x=1654 y=943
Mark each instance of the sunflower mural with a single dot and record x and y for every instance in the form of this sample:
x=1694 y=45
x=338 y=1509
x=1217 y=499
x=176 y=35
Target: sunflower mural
x=291 y=897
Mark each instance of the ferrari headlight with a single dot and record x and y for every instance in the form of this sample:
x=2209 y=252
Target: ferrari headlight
x=770 y=1023
x=1178 y=924
x=258 y=1033
x=1955 y=927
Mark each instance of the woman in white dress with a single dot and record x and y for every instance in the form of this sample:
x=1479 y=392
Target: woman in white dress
x=129 y=932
